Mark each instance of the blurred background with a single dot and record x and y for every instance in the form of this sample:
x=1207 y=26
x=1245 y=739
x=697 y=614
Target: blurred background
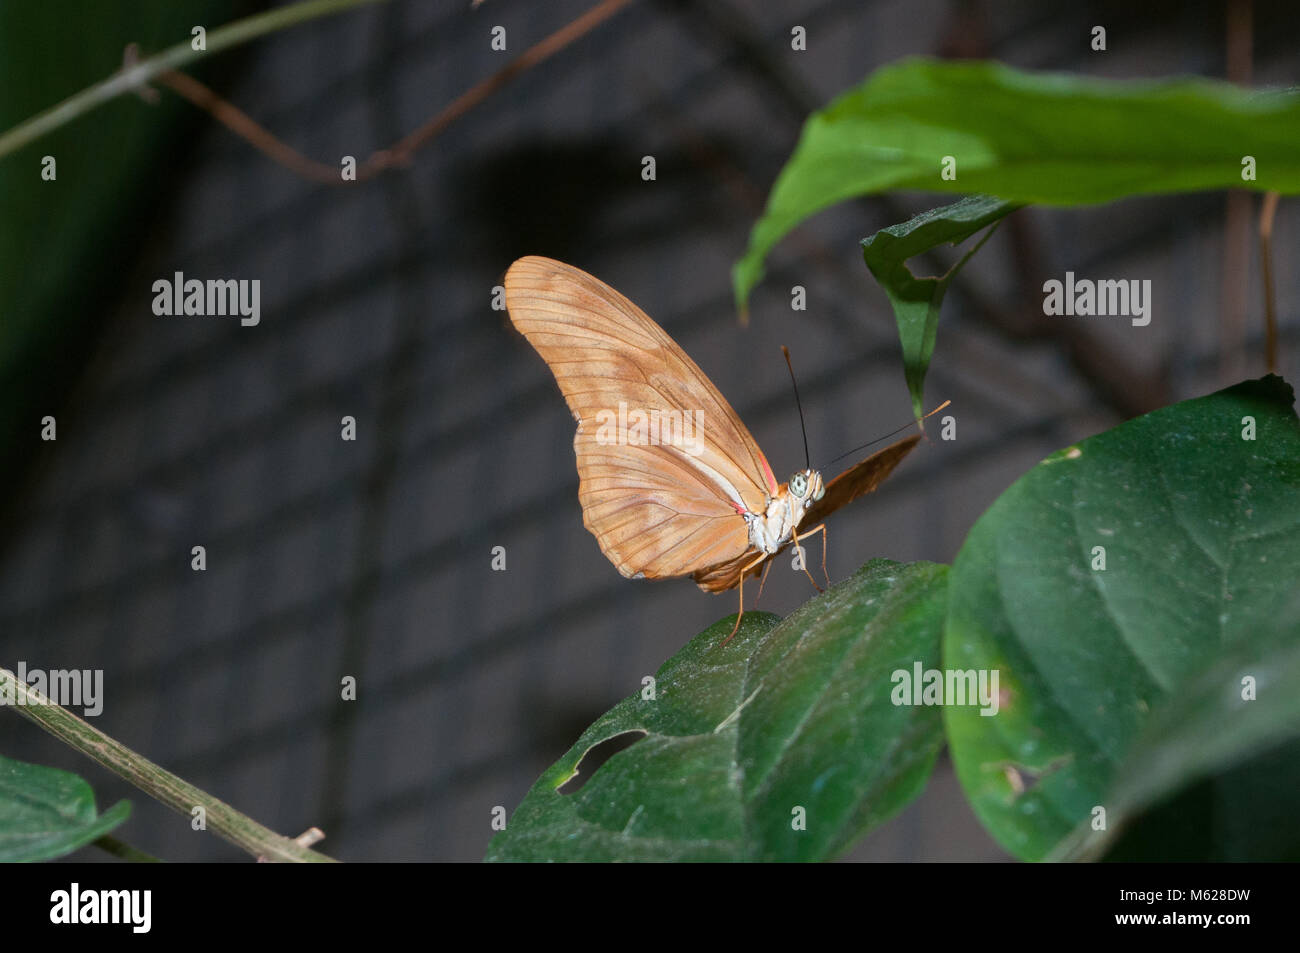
x=372 y=558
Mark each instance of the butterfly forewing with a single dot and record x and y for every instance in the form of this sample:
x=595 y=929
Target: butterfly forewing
x=657 y=509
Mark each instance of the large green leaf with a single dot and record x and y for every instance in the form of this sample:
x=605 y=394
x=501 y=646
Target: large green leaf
x=916 y=301
x=1027 y=137
x=1201 y=538
x=1214 y=775
x=46 y=813
x=788 y=715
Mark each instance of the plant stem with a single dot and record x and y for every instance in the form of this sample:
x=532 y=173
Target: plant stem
x=137 y=76
x=1266 y=215
x=159 y=783
x=124 y=851
x=401 y=153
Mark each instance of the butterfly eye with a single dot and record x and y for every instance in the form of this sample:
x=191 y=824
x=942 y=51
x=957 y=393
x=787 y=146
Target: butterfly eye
x=820 y=491
x=799 y=485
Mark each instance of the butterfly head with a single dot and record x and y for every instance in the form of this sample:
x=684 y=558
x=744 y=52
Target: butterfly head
x=807 y=487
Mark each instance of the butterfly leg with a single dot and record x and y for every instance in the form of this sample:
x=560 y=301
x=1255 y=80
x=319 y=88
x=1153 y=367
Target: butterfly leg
x=825 y=574
x=744 y=569
x=819 y=528
x=762 y=580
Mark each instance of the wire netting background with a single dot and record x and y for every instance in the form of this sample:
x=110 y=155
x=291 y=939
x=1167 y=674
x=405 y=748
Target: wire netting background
x=372 y=558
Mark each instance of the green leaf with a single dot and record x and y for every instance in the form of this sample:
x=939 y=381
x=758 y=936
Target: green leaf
x=1214 y=775
x=916 y=301
x=1201 y=548
x=787 y=715
x=46 y=813
x=1051 y=138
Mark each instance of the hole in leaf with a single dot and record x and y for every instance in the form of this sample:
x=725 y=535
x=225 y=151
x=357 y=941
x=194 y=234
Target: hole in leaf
x=1023 y=778
x=597 y=755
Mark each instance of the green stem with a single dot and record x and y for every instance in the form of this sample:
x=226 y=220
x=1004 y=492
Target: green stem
x=124 y=851
x=159 y=783
x=138 y=75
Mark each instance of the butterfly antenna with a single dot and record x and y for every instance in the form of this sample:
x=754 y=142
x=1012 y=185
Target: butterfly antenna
x=892 y=432
x=807 y=459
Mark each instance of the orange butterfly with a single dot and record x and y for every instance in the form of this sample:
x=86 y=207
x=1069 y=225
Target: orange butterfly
x=701 y=502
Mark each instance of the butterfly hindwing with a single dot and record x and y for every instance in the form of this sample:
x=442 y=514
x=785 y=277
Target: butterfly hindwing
x=859 y=479
x=848 y=486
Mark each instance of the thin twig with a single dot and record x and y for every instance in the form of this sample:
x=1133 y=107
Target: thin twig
x=242 y=125
x=1266 y=216
x=527 y=60
x=401 y=152
x=135 y=76
x=124 y=851
x=1235 y=280
x=159 y=783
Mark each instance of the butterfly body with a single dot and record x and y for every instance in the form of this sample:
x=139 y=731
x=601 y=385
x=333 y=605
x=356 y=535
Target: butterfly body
x=773 y=529
x=670 y=480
